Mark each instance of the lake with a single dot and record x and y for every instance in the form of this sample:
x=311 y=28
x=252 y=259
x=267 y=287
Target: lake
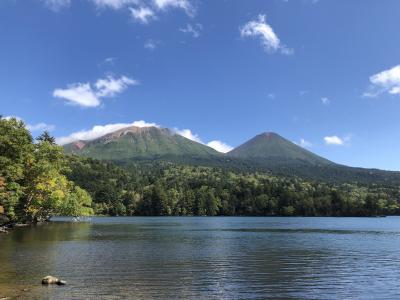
x=204 y=258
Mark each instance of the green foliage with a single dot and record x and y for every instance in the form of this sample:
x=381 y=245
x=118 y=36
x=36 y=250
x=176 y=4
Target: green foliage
x=77 y=202
x=32 y=184
x=16 y=150
x=161 y=188
x=46 y=137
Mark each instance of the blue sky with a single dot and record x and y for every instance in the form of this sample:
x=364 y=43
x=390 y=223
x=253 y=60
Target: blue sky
x=321 y=73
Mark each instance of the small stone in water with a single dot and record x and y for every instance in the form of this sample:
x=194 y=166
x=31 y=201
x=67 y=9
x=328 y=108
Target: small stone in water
x=53 y=280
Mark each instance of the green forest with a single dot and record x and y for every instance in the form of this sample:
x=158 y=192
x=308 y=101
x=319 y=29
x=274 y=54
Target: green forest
x=37 y=181
x=169 y=189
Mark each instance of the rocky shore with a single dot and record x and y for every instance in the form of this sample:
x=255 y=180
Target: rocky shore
x=5 y=225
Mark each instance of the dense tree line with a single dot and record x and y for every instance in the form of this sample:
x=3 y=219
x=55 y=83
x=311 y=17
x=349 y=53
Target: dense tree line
x=38 y=181
x=33 y=185
x=162 y=188
x=334 y=173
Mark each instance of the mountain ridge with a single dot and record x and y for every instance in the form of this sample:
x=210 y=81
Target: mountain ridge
x=266 y=152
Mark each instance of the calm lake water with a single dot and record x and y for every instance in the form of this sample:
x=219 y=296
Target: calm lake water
x=205 y=258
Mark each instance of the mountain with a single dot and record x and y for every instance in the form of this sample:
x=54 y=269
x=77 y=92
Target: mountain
x=271 y=152
x=267 y=152
x=140 y=143
x=270 y=146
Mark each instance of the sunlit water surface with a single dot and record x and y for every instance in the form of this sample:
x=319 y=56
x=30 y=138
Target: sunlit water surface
x=205 y=258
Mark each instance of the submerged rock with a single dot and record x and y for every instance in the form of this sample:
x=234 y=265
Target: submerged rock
x=53 y=280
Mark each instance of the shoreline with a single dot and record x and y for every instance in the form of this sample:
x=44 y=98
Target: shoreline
x=6 y=228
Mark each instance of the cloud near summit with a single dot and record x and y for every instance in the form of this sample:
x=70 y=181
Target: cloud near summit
x=100 y=130
x=215 y=144
x=335 y=140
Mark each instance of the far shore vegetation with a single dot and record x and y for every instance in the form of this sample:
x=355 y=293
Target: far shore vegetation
x=38 y=180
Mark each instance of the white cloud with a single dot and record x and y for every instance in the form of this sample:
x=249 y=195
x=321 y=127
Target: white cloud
x=33 y=127
x=113 y=4
x=151 y=45
x=271 y=96
x=260 y=29
x=286 y=51
x=110 y=86
x=182 y=4
x=187 y=133
x=40 y=127
x=57 y=5
x=142 y=14
x=325 y=101
x=142 y=11
x=302 y=93
x=333 y=140
x=219 y=146
x=305 y=144
x=84 y=95
x=194 y=30
x=387 y=81
x=109 y=61
x=142 y=123
x=100 y=130
x=337 y=141
x=80 y=94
